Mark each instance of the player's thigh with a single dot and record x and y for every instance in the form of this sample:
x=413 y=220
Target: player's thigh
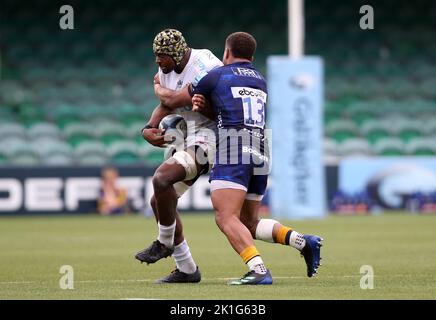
x=228 y=187
x=227 y=202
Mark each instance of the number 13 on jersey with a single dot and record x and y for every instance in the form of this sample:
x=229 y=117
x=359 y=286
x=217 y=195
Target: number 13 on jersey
x=253 y=103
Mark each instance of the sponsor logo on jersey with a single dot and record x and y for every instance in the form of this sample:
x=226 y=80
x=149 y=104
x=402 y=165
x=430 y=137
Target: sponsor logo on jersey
x=246 y=149
x=244 y=72
x=251 y=92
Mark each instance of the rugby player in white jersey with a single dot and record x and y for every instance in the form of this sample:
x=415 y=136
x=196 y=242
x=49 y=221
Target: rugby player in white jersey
x=179 y=66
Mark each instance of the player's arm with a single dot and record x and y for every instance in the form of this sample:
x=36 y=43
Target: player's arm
x=201 y=91
x=171 y=98
x=202 y=105
x=151 y=132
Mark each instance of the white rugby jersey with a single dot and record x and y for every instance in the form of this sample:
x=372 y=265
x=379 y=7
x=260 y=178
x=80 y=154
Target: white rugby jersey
x=200 y=62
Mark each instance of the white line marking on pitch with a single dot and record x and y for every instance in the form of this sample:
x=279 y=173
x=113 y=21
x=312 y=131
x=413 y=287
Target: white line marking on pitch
x=204 y=279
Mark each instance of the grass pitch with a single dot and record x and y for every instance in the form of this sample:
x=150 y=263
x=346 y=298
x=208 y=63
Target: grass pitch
x=401 y=248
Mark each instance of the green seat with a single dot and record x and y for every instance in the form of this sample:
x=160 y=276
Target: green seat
x=12 y=130
x=79 y=138
x=24 y=160
x=355 y=147
x=110 y=132
x=92 y=160
x=23 y=154
x=330 y=147
x=111 y=138
x=429 y=125
x=155 y=156
x=43 y=130
x=405 y=128
x=67 y=119
x=374 y=131
x=331 y=116
x=3 y=158
x=77 y=134
x=341 y=130
x=47 y=146
x=409 y=134
x=125 y=158
x=57 y=159
x=124 y=152
x=361 y=117
x=422 y=147
x=389 y=147
x=90 y=148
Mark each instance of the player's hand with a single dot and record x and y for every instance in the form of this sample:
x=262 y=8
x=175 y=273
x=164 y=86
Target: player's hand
x=157 y=137
x=156 y=79
x=198 y=102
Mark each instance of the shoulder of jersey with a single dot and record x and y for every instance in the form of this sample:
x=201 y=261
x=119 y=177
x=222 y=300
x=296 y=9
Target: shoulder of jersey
x=206 y=54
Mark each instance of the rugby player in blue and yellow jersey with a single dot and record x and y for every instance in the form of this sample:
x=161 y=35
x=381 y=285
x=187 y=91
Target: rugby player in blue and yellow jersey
x=237 y=94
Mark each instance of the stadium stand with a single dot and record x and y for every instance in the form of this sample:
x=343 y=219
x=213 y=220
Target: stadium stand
x=89 y=90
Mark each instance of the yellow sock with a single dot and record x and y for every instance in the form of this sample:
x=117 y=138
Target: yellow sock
x=249 y=253
x=283 y=235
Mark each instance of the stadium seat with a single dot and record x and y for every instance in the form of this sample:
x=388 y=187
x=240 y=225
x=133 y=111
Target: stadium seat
x=355 y=147
x=408 y=130
x=341 y=130
x=65 y=115
x=79 y=133
x=12 y=130
x=110 y=132
x=90 y=148
x=43 y=130
x=422 y=147
x=133 y=131
x=389 y=147
x=92 y=160
x=124 y=152
x=57 y=159
x=48 y=147
x=361 y=113
x=154 y=156
x=3 y=158
x=375 y=131
x=429 y=125
x=23 y=154
x=330 y=147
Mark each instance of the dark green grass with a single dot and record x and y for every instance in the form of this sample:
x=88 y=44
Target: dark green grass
x=400 y=247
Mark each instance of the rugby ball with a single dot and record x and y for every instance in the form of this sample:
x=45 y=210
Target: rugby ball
x=174 y=125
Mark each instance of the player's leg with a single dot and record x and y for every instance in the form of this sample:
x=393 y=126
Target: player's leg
x=227 y=199
x=178 y=234
x=169 y=185
x=165 y=205
x=149 y=254
x=194 y=161
x=270 y=230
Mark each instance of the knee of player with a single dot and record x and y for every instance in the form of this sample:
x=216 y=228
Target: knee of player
x=251 y=225
x=160 y=181
x=219 y=220
x=153 y=203
x=222 y=220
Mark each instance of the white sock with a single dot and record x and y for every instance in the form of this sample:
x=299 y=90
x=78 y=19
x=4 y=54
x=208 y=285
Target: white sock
x=296 y=240
x=256 y=264
x=184 y=261
x=264 y=230
x=166 y=234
